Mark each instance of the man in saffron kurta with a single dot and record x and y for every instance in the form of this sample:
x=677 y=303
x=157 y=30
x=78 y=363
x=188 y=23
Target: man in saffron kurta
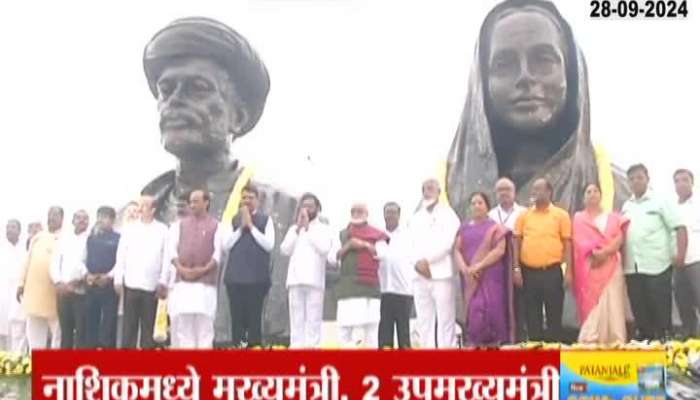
x=356 y=252
x=36 y=290
x=194 y=252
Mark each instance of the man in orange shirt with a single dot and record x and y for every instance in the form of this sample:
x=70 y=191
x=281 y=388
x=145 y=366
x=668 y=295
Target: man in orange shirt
x=542 y=244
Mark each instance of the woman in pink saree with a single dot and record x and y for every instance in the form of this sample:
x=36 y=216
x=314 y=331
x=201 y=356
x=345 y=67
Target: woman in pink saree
x=482 y=253
x=599 y=283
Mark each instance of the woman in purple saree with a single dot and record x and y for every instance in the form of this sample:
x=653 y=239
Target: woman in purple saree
x=482 y=253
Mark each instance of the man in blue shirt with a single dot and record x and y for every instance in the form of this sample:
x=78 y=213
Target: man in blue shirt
x=102 y=299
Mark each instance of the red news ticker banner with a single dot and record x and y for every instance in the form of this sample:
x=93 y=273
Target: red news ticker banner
x=306 y=375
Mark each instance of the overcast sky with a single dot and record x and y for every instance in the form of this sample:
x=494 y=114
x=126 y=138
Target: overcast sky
x=370 y=91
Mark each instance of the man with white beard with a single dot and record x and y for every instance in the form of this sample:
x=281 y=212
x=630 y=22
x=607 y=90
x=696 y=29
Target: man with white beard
x=432 y=230
x=356 y=251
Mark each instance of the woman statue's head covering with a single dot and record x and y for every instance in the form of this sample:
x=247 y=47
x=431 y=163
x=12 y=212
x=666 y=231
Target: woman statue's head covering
x=482 y=141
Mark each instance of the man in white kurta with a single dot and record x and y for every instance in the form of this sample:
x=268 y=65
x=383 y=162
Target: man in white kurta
x=193 y=256
x=137 y=273
x=396 y=277
x=12 y=319
x=306 y=243
x=432 y=231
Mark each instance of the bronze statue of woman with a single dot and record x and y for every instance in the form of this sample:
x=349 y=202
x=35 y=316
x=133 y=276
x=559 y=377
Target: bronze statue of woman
x=527 y=113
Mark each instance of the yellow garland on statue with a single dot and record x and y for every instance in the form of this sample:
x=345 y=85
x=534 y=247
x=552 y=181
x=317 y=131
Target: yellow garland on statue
x=605 y=178
x=234 y=200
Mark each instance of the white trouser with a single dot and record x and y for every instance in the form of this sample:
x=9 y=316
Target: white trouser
x=38 y=331
x=18 y=336
x=435 y=298
x=192 y=331
x=305 y=316
x=368 y=336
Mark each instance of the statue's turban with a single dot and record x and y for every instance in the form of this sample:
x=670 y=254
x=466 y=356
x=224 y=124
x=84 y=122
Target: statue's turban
x=199 y=37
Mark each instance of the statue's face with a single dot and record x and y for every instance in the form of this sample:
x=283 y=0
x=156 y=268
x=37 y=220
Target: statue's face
x=195 y=105
x=526 y=71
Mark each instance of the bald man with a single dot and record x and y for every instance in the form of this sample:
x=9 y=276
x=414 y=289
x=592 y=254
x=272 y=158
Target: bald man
x=193 y=255
x=432 y=231
x=356 y=251
x=137 y=272
x=506 y=213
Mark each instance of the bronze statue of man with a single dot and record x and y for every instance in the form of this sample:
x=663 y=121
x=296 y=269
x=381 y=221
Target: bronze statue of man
x=211 y=88
x=527 y=113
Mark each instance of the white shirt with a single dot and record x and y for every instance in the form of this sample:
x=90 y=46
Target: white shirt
x=68 y=264
x=140 y=255
x=12 y=259
x=189 y=297
x=307 y=251
x=507 y=218
x=690 y=213
x=265 y=240
x=432 y=235
x=396 y=273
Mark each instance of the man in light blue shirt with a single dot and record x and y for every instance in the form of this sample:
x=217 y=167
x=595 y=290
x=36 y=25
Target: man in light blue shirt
x=649 y=255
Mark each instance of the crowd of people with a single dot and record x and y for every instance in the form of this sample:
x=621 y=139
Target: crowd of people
x=503 y=271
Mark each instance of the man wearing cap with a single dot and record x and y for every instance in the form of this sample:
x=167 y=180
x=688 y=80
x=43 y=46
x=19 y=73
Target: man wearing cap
x=211 y=88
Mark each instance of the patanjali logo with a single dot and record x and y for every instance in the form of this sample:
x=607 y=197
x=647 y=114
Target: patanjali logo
x=606 y=372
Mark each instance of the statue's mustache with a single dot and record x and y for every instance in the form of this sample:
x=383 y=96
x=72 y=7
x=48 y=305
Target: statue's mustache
x=181 y=117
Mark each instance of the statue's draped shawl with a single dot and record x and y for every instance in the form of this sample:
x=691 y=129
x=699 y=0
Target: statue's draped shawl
x=472 y=162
